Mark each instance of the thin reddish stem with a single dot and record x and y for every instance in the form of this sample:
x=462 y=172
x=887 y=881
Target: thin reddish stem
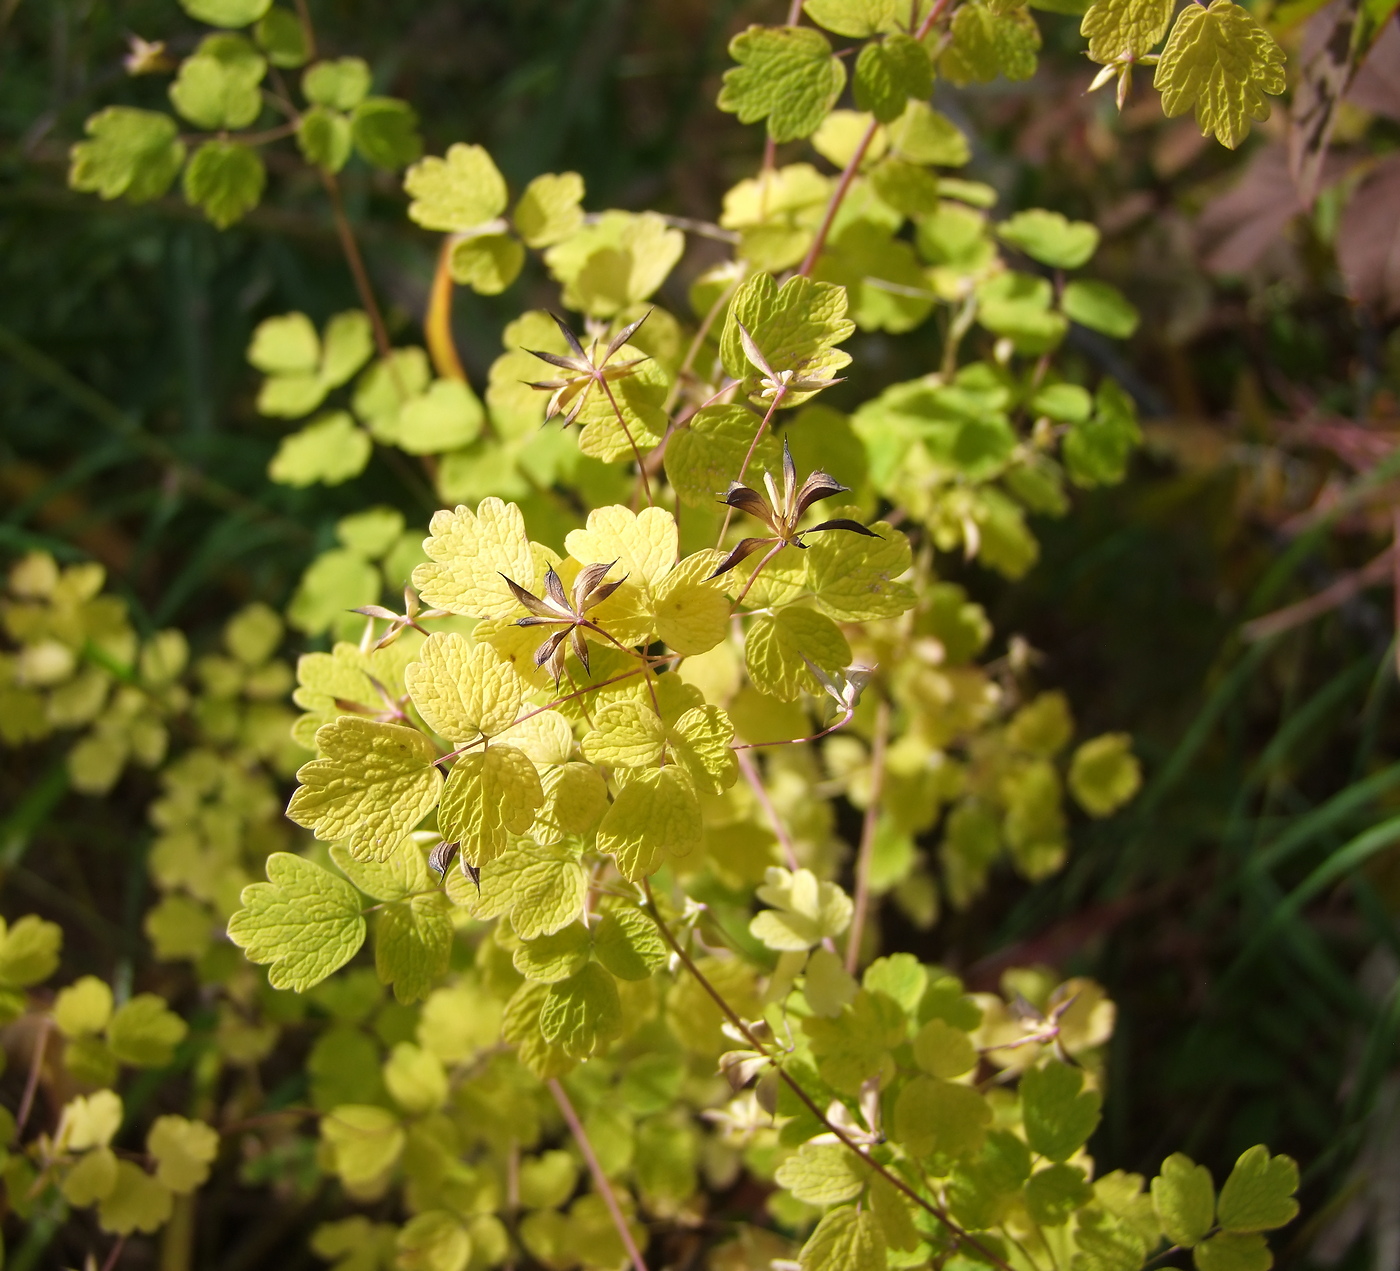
x=798 y=741
x=31 y=1084
x=357 y=264
x=746 y=766
x=852 y=168
x=600 y=1179
x=115 y=1255
x=627 y=432
x=838 y=196
x=744 y=467
x=758 y=569
x=867 y=834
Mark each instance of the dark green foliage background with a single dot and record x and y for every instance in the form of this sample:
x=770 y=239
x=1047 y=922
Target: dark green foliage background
x=128 y=435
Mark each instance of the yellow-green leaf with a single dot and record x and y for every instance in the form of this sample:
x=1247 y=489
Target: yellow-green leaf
x=1059 y=1115
x=469 y=552
x=583 y=1013
x=786 y=75
x=137 y=1202
x=183 y=1150
x=1104 y=773
x=628 y=943
x=1183 y=1195
x=364 y=1141
x=416 y=1079
x=1258 y=1195
x=29 y=951
x=463 y=690
x=304 y=921
x=83 y=1008
x=941 y=1116
x=625 y=734
x=540 y=888
x=373 y=784
x=1125 y=29
x=144 y=1032
x=845 y=1240
x=805 y=910
x=489 y=793
x=778 y=646
x=459 y=192
x=548 y=210
x=657 y=813
x=412 y=945
x=823 y=1174
x=1220 y=62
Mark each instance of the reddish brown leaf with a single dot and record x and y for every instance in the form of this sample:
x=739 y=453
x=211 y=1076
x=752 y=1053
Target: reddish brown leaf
x=1377 y=84
x=1368 y=239
x=1235 y=231
x=1328 y=57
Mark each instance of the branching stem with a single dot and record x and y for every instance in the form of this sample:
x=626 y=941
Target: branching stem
x=962 y=1236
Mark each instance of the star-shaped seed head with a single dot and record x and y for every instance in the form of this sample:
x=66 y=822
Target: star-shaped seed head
x=400 y=622
x=584 y=369
x=776 y=384
x=569 y=612
x=783 y=509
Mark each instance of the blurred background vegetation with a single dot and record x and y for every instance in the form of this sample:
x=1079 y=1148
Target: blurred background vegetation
x=1242 y=914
